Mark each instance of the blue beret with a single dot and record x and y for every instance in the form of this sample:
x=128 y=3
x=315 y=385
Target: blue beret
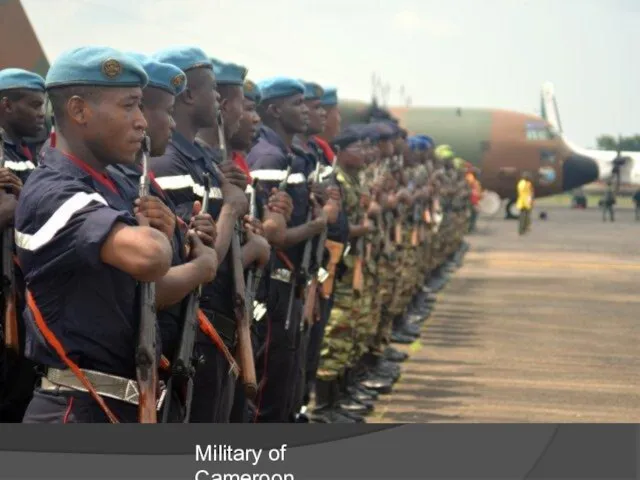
x=312 y=91
x=417 y=143
x=280 y=87
x=16 y=78
x=229 y=73
x=329 y=97
x=348 y=136
x=251 y=91
x=162 y=75
x=184 y=57
x=428 y=140
x=370 y=131
x=96 y=66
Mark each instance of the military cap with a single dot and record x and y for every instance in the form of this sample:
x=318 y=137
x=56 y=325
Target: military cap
x=348 y=136
x=228 y=73
x=96 y=66
x=162 y=75
x=312 y=91
x=428 y=140
x=371 y=132
x=385 y=130
x=329 y=97
x=251 y=91
x=184 y=57
x=19 y=79
x=444 y=152
x=277 y=87
x=417 y=144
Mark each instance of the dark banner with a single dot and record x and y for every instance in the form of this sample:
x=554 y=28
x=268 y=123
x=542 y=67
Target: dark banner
x=315 y=452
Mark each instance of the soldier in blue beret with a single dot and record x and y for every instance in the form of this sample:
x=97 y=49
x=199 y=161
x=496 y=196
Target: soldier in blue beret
x=329 y=102
x=181 y=172
x=188 y=271
x=21 y=118
x=77 y=240
x=272 y=160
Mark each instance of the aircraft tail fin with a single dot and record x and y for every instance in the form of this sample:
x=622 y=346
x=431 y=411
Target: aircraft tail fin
x=549 y=106
x=21 y=47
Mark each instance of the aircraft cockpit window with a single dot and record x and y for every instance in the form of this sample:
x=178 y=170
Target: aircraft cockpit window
x=539 y=131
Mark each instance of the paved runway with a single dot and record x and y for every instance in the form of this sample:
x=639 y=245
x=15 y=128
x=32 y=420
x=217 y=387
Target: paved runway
x=544 y=328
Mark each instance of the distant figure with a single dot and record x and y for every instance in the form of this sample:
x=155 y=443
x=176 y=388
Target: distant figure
x=476 y=194
x=579 y=199
x=636 y=201
x=525 y=202
x=607 y=203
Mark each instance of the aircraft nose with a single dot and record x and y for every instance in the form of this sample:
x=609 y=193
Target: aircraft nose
x=578 y=170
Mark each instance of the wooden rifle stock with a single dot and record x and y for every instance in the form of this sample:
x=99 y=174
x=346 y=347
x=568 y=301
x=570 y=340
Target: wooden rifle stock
x=312 y=289
x=244 y=349
x=11 y=339
x=335 y=252
x=146 y=361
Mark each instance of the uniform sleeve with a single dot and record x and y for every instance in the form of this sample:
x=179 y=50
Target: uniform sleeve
x=176 y=182
x=64 y=229
x=268 y=170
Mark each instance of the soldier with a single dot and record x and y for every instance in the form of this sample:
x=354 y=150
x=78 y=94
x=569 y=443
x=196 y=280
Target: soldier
x=192 y=262
x=21 y=116
x=181 y=173
x=336 y=352
x=525 y=202
x=273 y=160
x=77 y=241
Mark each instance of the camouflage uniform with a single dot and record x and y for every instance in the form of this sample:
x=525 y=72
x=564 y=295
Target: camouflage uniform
x=337 y=347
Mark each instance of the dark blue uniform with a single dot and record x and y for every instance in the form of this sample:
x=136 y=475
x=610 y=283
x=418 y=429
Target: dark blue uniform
x=65 y=214
x=280 y=365
x=180 y=173
x=17 y=374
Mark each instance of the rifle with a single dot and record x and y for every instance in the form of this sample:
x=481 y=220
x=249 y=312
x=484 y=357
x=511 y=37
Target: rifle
x=244 y=350
x=185 y=362
x=358 y=266
x=146 y=361
x=254 y=275
x=11 y=340
x=310 y=299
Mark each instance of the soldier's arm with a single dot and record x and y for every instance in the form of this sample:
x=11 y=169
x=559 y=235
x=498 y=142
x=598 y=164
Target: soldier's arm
x=8 y=205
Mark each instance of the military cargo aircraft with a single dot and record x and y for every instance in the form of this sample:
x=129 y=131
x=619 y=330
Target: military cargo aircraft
x=503 y=144
x=621 y=167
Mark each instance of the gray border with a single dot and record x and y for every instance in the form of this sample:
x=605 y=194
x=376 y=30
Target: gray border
x=315 y=452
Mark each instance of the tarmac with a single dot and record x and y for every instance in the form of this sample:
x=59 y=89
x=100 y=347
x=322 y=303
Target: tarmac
x=540 y=328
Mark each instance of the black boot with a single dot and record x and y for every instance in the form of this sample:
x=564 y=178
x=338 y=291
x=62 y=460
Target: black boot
x=394 y=355
x=326 y=411
x=348 y=403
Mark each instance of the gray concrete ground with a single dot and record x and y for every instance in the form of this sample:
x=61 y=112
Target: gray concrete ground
x=541 y=328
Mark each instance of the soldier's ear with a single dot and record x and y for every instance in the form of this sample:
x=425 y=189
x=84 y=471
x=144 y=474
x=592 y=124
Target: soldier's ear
x=224 y=104
x=78 y=110
x=274 y=110
x=5 y=103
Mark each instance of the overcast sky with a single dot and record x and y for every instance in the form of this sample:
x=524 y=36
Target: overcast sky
x=486 y=53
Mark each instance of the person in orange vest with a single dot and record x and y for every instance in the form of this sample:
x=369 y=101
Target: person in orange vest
x=476 y=193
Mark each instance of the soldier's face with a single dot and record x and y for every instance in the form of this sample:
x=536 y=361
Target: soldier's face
x=333 y=123
x=26 y=113
x=248 y=126
x=232 y=110
x=206 y=99
x=113 y=124
x=294 y=114
x=317 y=117
x=158 y=112
x=354 y=155
x=386 y=148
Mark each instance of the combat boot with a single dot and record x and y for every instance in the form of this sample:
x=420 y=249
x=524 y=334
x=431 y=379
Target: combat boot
x=352 y=401
x=394 y=355
x=402 y=327
x=382 y=368
x=370 y=381
x=326 y=411
x=356 y=390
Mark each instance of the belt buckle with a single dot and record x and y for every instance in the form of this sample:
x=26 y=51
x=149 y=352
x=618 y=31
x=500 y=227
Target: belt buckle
x=282 y=275
x=322 y=275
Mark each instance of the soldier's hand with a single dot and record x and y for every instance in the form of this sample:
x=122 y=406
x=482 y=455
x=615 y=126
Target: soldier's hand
x=157 y=213
x=368 y=224
x=8 y=200
x=332 y=209
x=261 y=248
x=374 y=209
x=318 y=211
x=334 y=193
x=280 y=202
x=404 y=196
x=234 y=174
x=10 y=181
x=253 y=226
x=199 y=251
x=320 y=192
x=204 y=225
x=233 y=195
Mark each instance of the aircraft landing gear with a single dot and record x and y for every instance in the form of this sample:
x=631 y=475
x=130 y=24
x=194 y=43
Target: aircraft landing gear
x=511 y=212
